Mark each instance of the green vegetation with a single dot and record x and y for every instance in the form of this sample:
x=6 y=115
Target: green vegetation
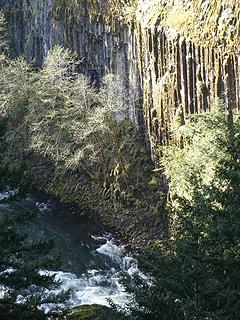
x=88 y=312
x=78 y=144
x=207 y=23
x=77 y=141
x=196 y=267
x=110 y=10
x=201 y=152
x=23 y=288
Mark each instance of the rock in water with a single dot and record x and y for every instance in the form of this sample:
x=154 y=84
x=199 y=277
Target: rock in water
x=87 y=312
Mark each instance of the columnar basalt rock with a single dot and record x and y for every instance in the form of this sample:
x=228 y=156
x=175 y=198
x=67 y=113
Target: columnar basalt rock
x=29 y=27
x=183 y=78
x=104 y=45
x=175 y=56
x=188 y=56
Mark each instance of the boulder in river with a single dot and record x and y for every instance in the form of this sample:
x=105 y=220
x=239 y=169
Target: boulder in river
x=87 y=312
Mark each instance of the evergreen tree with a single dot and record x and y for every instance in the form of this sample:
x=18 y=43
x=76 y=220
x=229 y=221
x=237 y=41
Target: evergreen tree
x=23 y=285
x=196 y=270
x=23 y=288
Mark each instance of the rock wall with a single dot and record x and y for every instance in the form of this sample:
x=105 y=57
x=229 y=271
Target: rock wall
x=104 y=44
x=175 y=57
x=188 y=56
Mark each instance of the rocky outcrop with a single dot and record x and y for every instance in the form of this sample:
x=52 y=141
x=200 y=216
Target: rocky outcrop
x=188 y=56
x=179 y=55
x=174 y=57
x=87 y=312
x=104 y=44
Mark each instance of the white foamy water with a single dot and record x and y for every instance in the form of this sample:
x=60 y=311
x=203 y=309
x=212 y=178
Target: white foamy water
x=97 y=286
x=119 y=254
x=92 y=266
x=8 y=193
x=91 y=288
x=44 y=207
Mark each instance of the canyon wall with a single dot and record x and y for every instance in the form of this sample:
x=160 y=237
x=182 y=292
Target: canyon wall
x=104 y=44
x=188 y=56
x=175 y=57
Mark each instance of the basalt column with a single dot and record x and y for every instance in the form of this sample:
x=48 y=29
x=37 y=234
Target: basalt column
x=188 y=57
x=103 y=43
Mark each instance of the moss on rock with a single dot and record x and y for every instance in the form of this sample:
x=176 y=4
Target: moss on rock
x=88 y=312
x=210 y=22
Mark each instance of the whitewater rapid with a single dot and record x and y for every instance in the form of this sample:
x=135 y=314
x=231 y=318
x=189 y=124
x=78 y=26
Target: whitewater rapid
x=101 y=286
x=93 y=265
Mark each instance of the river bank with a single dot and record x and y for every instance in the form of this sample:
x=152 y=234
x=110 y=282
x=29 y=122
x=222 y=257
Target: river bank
x=139 y=219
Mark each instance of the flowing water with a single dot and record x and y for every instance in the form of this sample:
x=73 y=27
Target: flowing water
x=93 y=261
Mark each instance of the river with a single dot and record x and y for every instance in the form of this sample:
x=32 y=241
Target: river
x=92 y=260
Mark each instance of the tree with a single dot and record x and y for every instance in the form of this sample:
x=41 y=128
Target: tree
x=23 y=286
x=69 y=119
x=196 y=269
x=206 y=233
x=3 y=42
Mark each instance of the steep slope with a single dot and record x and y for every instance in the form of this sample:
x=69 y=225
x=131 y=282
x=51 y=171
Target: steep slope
x=186 y=52
x=188 y=55
x=103 y=43
x=175 y=57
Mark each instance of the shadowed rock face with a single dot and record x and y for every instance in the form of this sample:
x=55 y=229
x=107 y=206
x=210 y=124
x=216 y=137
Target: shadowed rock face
x=177 y=55
x=35 y=26
x=29 y=27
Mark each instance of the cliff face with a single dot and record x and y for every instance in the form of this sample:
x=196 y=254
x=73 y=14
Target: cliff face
x=29 y=27
x=179 y=55
x=188 y=56
x=104 y=45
